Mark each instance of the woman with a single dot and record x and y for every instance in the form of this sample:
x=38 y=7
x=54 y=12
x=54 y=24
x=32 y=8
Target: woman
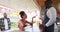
x=23 y=22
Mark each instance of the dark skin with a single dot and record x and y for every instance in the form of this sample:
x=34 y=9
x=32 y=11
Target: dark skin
x=42 y=27
x=23 y=18
x=5 y=15
x=48 y=4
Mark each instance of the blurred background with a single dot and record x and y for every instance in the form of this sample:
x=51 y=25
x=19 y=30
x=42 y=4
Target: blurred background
x=31 y=7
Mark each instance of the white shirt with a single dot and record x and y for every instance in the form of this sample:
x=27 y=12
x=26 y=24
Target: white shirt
x=6 y=23
x=51 y=13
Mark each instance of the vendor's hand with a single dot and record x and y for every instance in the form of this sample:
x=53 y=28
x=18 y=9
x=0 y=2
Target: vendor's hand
x=41 y=27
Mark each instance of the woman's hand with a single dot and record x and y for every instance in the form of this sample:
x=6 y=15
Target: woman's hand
x=33 y=18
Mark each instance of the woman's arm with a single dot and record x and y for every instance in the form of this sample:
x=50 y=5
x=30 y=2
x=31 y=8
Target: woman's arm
x=31 y=23
x=28 y=23
x=20 y=26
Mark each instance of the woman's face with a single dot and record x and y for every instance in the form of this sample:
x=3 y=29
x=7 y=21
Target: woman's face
x=25 y=16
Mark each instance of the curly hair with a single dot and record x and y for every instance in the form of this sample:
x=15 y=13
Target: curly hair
x=22 y=13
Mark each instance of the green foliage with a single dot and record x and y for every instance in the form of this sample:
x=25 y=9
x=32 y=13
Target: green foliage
x=14 y=25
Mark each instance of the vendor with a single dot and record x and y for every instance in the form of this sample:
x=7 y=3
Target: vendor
x=49 y=17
